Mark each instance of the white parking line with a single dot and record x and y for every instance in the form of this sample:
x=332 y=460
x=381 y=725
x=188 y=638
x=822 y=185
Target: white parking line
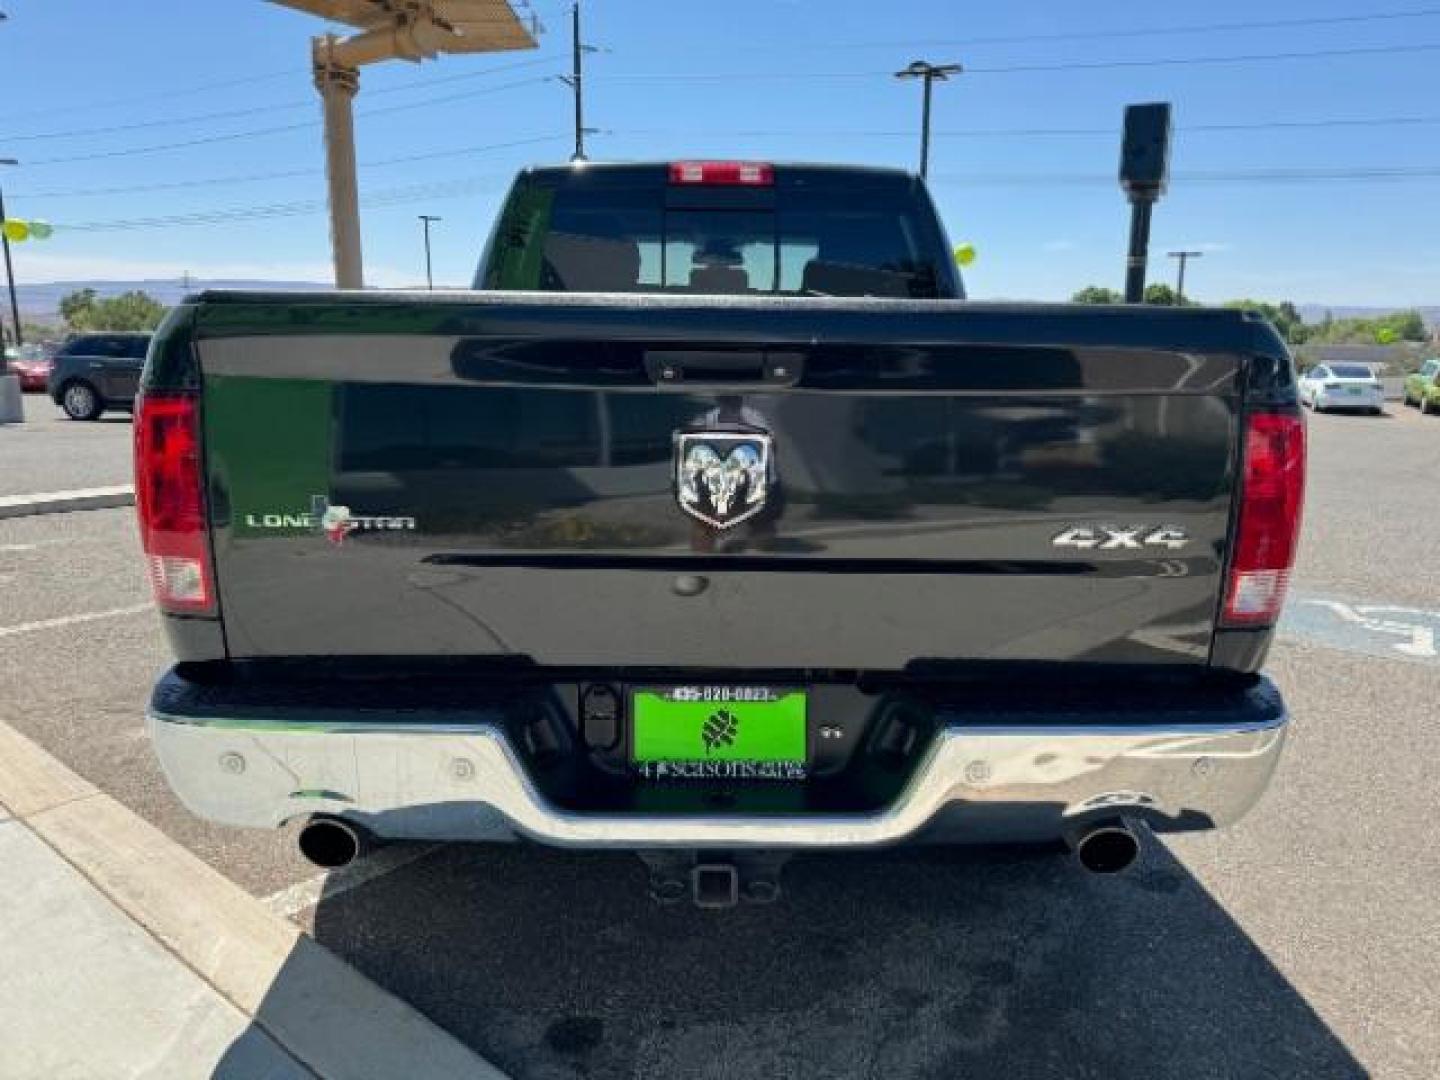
x=296 y=898
x=71 y=620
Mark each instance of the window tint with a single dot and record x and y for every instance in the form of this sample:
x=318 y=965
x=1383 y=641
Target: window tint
x=87 y=345
x=836 y=238
x=1351 y=371
x=577 y=240
x=111 y=346
x=845 y=248
x=719 y=251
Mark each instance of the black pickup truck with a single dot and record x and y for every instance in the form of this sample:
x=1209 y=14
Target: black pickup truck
x=715 y=523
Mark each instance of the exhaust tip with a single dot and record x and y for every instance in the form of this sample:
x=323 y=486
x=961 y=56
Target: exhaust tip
x=330 y=843
x=1108 y=849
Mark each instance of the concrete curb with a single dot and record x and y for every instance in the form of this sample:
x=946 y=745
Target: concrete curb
x=63 y=502
x=331 y=1018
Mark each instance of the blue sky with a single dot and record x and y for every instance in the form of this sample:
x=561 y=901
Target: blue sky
x=1022 y=164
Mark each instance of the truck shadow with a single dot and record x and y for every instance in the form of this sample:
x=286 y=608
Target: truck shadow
x=910 y=963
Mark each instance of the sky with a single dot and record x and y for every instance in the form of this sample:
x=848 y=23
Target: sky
x=95 y=95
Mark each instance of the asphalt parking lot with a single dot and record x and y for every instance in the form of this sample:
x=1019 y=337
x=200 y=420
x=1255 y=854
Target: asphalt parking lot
x=1303 y=942
x=50 y=452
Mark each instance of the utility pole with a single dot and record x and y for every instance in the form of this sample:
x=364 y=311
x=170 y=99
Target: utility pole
x=1184 y=257
x=10 y=270
x=576 y=81
x=429 y=279
x=12 y=407
x=923 y=69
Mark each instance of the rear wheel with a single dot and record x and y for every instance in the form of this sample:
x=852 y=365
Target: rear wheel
x=1425 y=408
x=81 y=402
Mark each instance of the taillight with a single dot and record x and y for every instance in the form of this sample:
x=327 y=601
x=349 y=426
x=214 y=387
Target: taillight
x=746 y=173
x=170 y=502
x=1272 y=490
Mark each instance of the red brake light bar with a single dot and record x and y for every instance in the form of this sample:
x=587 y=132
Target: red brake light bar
x=741 y=173
x=1273 y=488
x=170 y=502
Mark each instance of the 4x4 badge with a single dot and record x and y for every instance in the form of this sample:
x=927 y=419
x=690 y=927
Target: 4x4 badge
x=1122 y=538
x=722 y=477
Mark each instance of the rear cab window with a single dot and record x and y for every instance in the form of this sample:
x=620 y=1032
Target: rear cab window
x=813 y=231
x=1352 y=371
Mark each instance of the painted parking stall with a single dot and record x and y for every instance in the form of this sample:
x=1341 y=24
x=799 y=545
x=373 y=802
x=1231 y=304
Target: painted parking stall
x=1391 y=631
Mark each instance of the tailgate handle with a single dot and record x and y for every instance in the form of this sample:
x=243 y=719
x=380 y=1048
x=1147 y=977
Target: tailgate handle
x=693 y=368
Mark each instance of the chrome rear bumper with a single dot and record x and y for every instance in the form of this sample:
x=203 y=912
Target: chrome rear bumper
x=976 y=785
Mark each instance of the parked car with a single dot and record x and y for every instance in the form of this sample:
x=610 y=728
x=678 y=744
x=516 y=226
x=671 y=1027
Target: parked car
x=32 y=364
x=1422 y=389
x=789 y=548
x=1342 y=386
x=95 y=372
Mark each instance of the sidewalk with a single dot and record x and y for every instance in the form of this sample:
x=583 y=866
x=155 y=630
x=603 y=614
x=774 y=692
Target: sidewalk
x=89 y=993
x=122 y=955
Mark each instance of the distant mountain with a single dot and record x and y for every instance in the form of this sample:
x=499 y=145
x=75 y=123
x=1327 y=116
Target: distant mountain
x=42 y=302
x=1314 y=313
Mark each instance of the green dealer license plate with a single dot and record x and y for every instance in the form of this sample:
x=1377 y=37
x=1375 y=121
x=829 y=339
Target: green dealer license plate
x=718 y=733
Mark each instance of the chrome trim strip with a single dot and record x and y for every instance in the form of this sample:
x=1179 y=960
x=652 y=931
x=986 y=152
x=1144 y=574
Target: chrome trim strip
x=465 y=782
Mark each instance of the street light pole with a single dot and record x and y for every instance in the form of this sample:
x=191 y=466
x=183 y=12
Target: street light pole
x=9 y=269
x=923 y=69
x=1184 y=257
x=429 y=279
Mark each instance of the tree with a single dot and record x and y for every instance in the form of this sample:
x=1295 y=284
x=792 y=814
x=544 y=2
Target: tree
x=1097 y=294
x=1284 y=315
x=1161 y=294
x=76 y=308
x=1405 y=325
x=40 y=332
x=132 y=310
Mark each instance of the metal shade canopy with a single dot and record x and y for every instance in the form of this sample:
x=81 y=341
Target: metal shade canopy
x=388 y=30
x=412 y=29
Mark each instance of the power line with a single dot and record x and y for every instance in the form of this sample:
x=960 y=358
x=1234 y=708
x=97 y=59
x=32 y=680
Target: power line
x=1206 y=177
x=386 y=197
x=284 y=174
x=1238 y=58
x=1106 y=132
x=1008 y=39
x=166 y=95
x=307 y=103
x=1080 y=65
x=1098 y=35
x=1046 y=132
x=467 y=185
x=783 y=75
x=206 y=140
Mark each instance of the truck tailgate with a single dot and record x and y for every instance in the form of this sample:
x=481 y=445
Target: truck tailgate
x=496 y=475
